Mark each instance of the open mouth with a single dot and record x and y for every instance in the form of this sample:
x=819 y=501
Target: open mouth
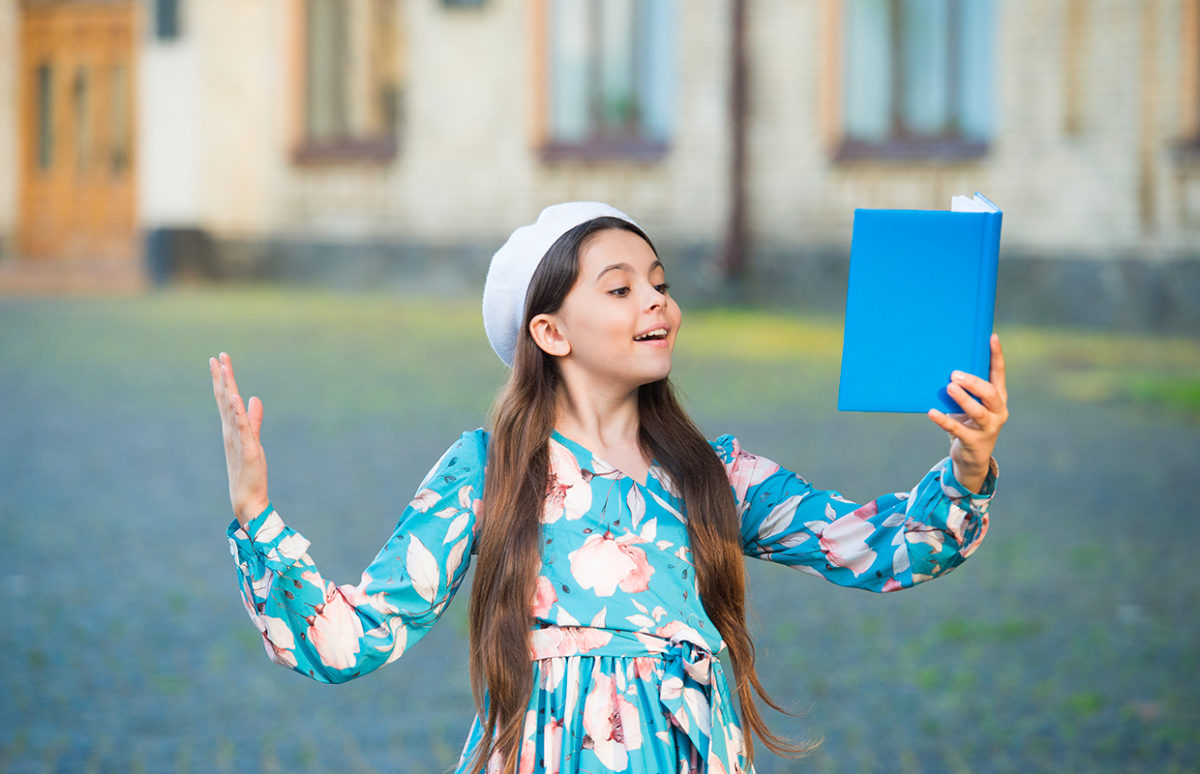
x=654 y=335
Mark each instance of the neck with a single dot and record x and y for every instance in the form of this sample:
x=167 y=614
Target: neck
x=597 y=418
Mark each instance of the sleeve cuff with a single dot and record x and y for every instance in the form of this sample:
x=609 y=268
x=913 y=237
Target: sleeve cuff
x=952 y=487
x=269 y=538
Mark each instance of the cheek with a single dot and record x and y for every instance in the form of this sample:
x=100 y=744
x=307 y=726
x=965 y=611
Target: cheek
x=598 y=333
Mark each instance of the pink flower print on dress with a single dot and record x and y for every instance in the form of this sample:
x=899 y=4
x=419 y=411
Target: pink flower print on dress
x=563 y=641
x=638 y=578
x=612 y=723
x=603 y=564
x=844 y=540
x=746 y=469
x=544 y=597
x=527 y=759
x=551 y=745
x=678 y=631
x=645 y=668
x=335 y=631
x=568 y=493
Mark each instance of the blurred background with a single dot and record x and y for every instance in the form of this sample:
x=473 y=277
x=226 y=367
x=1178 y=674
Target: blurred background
x=316 y=186
x=363 y=141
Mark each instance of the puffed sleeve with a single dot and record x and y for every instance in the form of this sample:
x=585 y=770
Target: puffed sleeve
x=890 y=543
x=335 y=633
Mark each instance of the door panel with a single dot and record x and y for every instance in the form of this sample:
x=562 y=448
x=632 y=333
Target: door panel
x=77 y=130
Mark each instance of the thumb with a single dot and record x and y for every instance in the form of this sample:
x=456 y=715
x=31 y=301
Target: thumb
x=254 y=412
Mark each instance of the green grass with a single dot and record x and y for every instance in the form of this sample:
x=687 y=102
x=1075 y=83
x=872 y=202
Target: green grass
x=349 y=330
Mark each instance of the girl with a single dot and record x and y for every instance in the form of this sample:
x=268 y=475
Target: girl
x=607 y=533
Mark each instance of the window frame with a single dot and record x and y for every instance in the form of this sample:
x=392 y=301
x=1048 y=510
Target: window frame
x=380 y=148
x=635 y=147
x=903 y=144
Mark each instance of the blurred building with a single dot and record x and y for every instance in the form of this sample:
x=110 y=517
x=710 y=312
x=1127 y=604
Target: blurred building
x=366 y=141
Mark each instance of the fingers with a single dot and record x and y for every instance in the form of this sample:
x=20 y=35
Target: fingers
x=220 y=392
x=997 y=373
x=951 y=424
x=971 y=387
x=229 y=401
x=215 y=369
x=255 y=412
x=227 y=373
x=971 y=404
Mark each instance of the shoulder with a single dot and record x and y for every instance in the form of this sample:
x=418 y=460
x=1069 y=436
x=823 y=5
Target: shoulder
x=466 y=457
x=475 y=441
x=726 y=446
x=743 y=468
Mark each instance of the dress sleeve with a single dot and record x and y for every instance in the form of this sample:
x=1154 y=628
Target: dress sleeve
x=335 y=633
x=890 y=543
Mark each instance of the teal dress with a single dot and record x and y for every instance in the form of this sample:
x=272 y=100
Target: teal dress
x=625 y=659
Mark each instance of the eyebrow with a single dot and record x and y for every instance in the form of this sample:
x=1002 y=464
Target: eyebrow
x=625 y=267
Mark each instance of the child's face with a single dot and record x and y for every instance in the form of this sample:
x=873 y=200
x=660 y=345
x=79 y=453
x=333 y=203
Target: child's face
x=618 y=319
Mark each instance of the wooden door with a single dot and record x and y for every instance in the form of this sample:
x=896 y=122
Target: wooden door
x=77 y=130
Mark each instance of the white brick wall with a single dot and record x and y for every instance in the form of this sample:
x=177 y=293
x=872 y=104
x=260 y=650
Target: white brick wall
x=1061 y=193
x=218 y=114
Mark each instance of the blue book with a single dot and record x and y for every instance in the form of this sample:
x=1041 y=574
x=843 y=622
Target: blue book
x=920 y=303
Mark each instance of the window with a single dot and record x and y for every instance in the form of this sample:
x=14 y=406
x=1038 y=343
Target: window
x=609 y=77
x=917 y=78
x=166 y=19
x=81 y=107
x=352 y=80
x=45 y=116
x=120 y=150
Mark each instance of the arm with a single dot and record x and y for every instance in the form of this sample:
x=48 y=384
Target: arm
x=334 y=633
x=889 y=543
x=894 y=541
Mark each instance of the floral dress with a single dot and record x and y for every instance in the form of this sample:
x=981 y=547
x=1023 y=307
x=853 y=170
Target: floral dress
x=625 y=667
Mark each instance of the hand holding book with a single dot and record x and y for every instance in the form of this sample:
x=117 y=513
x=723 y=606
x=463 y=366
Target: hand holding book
x=973 y=433
x=920 y=301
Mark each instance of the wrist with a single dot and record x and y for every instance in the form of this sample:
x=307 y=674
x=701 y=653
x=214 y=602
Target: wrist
x=248 y=512
x=970 y=477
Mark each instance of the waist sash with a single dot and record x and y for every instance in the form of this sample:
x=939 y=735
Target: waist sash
x=693 y=692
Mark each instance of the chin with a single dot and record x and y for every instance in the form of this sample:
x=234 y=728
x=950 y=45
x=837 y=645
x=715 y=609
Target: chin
x=656 y=376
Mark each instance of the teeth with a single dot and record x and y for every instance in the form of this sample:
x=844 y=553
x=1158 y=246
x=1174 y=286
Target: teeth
x=657 y=333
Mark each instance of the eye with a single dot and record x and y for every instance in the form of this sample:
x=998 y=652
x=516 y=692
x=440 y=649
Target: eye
x=663 y=287
x=619 y=292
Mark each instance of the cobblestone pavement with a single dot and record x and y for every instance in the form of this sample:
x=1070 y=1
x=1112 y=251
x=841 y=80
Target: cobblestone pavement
x=1069 y=643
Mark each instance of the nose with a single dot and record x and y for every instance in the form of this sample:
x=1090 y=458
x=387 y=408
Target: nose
x=654 y=299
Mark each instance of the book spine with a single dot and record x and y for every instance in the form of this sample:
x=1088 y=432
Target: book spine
x=985 y=308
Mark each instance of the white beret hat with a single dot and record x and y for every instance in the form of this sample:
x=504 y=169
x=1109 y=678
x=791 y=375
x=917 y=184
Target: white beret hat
x=514 y=263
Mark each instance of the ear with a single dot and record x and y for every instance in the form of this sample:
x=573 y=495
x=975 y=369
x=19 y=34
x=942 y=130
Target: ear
x=547 y=333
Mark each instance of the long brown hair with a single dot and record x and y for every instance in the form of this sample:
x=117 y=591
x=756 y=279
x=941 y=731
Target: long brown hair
x=509 y=525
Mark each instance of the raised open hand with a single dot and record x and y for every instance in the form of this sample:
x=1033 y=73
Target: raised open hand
x=241 y=424
x=973 y=433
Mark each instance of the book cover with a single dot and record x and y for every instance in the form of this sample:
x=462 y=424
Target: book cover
x=920 y=302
